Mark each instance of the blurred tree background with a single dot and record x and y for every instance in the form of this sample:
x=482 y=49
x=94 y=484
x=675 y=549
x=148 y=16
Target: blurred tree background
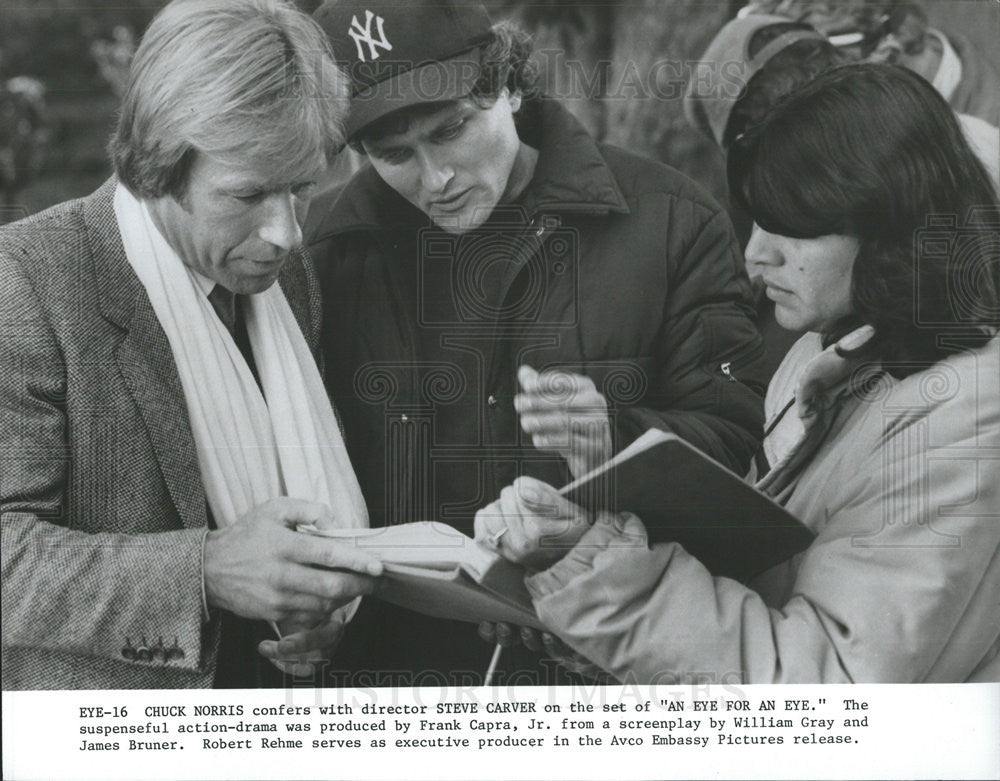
x=58 y=45
x=618 y=64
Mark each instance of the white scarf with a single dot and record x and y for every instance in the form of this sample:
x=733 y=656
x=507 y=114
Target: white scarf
x=249 y=450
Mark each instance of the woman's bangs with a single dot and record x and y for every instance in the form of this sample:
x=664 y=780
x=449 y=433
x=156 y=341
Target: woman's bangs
x=785 y=189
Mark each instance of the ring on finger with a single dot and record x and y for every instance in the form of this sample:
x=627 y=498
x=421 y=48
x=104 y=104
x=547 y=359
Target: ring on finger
x=494 y=539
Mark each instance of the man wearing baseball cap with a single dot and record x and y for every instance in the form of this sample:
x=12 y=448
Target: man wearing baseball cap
x=506 y=296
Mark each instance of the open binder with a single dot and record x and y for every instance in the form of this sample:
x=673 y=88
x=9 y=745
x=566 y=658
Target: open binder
x=434 y=569
x=679 y=493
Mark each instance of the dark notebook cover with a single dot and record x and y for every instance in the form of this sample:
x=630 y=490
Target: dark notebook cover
x=682 y=495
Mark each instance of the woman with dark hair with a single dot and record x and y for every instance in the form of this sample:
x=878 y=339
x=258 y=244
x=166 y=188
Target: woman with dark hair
x=815 y=179
x=876 y=231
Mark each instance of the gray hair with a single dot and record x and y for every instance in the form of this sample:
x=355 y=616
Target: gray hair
x=242 y=81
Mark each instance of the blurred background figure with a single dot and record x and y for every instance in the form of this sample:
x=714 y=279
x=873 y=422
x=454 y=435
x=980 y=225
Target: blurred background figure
x=902 y=33
x=113 y=57
x=24 y=136
x=773 y=55
x=899 y=33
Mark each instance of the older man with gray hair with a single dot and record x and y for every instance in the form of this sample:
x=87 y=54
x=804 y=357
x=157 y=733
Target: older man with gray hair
x=163 y=422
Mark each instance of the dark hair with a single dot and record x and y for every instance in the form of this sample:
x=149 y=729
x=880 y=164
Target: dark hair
x=795 y=65
x=505 y=61
x=873 y=151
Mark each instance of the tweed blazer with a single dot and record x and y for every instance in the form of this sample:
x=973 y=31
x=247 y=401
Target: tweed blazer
x=102 y=506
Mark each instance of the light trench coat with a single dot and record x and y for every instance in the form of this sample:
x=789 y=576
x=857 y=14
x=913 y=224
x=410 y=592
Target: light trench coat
x=900 y=481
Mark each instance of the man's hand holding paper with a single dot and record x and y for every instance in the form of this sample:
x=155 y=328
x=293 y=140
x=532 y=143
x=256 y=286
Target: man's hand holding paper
x=261 y=568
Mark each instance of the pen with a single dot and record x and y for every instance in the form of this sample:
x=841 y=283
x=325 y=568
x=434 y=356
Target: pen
x=488 y=678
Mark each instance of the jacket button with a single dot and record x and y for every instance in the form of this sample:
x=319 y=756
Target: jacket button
x=128 y=651
x=492 y=400
x=174 y=652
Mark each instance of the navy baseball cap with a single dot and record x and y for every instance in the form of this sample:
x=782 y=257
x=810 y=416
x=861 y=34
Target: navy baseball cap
x=400 y=53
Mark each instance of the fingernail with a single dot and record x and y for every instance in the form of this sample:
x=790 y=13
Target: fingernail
x=856 y=338
x=531 y=494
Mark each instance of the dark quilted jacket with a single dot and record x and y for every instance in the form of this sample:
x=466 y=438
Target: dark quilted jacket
x=619 y=267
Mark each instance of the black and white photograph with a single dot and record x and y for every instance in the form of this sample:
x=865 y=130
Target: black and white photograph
x=526 y=381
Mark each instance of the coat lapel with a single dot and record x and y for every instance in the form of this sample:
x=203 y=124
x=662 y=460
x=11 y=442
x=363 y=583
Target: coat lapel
x=145 y=360
x=822 y=390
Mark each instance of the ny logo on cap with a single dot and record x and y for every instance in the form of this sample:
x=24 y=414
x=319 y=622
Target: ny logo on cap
x=364 y=35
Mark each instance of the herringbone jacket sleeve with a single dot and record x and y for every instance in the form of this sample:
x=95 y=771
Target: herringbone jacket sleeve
x=86 y=578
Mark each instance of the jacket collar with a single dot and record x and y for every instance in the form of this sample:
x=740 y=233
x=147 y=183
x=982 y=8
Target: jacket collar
x=825 y=380
x=118 y=286
x=571 y=176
